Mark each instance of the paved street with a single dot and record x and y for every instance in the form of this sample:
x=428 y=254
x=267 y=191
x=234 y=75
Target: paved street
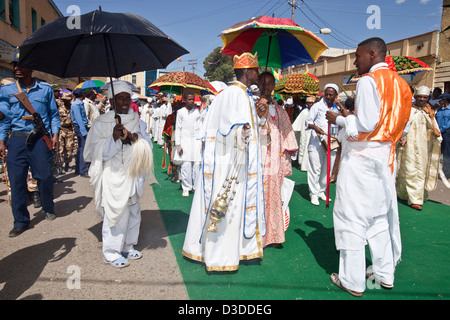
x=46 y=261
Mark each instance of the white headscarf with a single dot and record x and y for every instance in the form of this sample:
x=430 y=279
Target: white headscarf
x=119 y=86
x=331 y=85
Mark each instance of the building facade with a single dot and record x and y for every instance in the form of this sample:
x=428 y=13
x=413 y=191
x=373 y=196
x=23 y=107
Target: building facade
x=18 y=20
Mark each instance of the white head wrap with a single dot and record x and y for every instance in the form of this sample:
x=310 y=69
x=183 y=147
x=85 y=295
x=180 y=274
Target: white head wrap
x=119 y=86
x=331 y=85
x=134 y=97
x=423 y=91
x=289 y=101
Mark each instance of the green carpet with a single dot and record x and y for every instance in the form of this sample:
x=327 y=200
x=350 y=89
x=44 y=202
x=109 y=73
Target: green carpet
x=301 y=269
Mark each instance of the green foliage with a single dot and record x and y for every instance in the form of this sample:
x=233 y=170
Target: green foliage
x=218 y=66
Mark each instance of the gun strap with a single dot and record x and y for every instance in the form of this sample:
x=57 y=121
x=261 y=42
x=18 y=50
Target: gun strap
x=29 y=107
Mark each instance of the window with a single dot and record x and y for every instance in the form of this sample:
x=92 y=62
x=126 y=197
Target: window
x=133 y=79
x=33 y=20
x=14 y=13
x=42 y=22
x=2 y=10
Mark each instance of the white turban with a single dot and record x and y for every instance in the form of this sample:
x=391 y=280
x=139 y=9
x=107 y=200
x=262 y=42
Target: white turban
x=119 y=86
x=423 y=91
x=134 y=97
x=331 y=85
x=289 y=101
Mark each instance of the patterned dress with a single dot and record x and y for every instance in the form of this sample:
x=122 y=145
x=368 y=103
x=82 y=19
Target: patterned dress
x=277 y=165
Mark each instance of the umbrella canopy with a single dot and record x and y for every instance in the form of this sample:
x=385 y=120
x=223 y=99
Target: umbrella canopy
x=401 y=65
x=178 y=82
x=297 y=83
x=279 y=42
x=91 y=84
x=106 y=44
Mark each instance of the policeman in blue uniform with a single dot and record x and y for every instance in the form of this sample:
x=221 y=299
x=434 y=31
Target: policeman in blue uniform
x=22 y=156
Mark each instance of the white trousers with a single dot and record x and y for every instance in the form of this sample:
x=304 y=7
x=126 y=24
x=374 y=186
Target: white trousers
x=189 y=171
x=317 y=170
x=352 y=263
x=124 y=235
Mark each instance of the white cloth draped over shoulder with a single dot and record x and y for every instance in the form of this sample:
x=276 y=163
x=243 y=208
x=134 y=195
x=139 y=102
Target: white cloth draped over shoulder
x=239 y=233
x=117 y=171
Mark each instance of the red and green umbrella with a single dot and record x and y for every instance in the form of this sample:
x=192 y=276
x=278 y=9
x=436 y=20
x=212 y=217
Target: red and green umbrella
x=401 y=65
x=279 y=42
x=177 y=82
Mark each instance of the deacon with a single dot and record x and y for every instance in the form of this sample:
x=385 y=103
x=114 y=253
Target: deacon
x=366 y=208
x=317 y=152
x=419 y=152
x=117 y=173
x=226 y=221
x=188 y=147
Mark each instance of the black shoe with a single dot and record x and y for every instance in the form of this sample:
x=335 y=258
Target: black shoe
x=66 y=168
x=50 y=216
x=16 y=231
x=36 y=199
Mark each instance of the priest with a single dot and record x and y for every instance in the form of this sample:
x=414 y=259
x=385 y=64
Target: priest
x=226 y=222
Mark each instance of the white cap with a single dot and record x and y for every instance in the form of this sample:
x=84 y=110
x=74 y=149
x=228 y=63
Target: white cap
x=423 y=91
x=331 y=85
x=119 y=86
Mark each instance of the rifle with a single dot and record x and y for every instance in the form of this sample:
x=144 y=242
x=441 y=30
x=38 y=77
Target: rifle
x=39 y=130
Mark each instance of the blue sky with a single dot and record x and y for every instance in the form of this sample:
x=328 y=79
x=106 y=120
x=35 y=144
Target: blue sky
x=196 y=24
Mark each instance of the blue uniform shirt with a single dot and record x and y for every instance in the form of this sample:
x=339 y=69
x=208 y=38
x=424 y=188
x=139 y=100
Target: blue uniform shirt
x=43 y=101
x=78 y=114
x=443 y=118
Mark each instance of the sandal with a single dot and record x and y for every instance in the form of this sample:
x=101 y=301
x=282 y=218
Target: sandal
x=370 y=274
x=133 y=255
x=119 y=263
x=335 y=279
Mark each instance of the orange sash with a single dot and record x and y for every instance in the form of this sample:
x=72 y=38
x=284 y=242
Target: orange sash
x=395 y=99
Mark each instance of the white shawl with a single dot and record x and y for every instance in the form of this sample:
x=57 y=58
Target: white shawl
x=117 y=178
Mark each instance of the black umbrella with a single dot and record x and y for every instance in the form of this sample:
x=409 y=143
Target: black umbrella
x=106 y=44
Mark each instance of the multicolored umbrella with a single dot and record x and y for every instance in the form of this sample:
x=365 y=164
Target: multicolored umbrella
x=179 y=81
x=401 y=65
x=297 y=83
x=279 y=42
x=90 y=84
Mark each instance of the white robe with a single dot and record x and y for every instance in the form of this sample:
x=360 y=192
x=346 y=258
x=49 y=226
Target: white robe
x=115 y=188
x=302 y=135
x=239 y=233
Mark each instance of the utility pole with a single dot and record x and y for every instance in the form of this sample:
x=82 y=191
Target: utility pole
x=193 y=63
x=294 y=6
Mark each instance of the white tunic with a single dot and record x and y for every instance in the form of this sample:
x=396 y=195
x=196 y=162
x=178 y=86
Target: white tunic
x=187 y=127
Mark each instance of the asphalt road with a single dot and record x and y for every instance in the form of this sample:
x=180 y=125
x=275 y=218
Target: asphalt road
x=62 y=259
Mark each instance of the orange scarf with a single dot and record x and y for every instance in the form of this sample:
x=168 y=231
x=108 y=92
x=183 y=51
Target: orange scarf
x=395 y=100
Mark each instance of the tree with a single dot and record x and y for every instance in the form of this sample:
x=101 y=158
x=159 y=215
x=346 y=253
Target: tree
x=218 y=66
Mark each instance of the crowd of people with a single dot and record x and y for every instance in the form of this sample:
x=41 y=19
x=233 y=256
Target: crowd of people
x=235 y=152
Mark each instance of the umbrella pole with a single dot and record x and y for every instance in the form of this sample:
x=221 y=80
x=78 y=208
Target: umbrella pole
x=267 y=64
x=328 y=166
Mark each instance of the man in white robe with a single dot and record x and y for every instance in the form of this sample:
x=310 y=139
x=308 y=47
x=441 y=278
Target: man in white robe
x=366 y=210
x=188 y=149
x=231 y=150
x=317 y=156
x=419 y=152
x=302 y=135
x=117 y=175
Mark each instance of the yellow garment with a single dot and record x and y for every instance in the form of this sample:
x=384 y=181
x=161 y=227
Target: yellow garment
x=395 y=108
x=418 y=160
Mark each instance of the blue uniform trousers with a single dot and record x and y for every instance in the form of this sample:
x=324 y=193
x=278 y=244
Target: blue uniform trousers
x=81 y=167
x=20 y=157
